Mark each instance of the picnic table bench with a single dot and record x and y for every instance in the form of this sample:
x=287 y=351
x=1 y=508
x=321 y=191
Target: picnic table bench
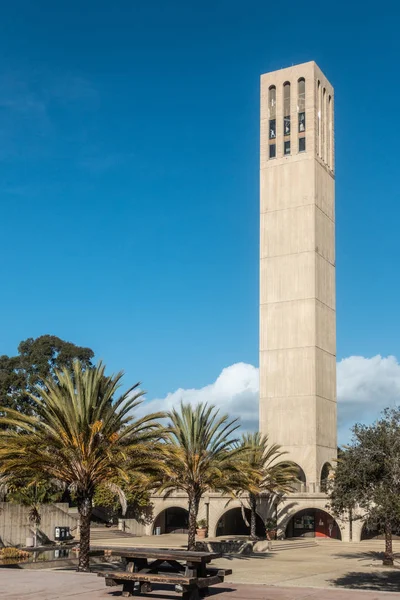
x=186 y=570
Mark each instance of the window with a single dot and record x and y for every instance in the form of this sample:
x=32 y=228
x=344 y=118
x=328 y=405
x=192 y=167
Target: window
x=286 y=108
x=329 y=133
x=272 y=129
x=302 y=144
x=301 y=103
x=286 y=147
x=323 y=122
x=272 y=102
x=272 y=151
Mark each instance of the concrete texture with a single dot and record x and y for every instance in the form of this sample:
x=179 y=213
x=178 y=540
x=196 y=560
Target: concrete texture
x=297 y=273
x=15 y=526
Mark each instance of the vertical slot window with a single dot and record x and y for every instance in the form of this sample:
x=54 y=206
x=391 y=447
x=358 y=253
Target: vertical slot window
x=329 y=134
x=286 y=108
x=286 y=147
x=272 y=112
x=272 y=129
x=324 y=128
x=319 y=108
x=301 y=104
x=302 y=144
x=272 y=150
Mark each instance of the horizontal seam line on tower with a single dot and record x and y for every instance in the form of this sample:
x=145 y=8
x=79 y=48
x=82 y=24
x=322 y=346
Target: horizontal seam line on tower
x=298 y=348
x=298 y=396
x=296 y=253
x=265 y=212
x=299 y=300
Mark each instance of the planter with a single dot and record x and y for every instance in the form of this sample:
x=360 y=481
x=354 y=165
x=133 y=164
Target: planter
x=201 y=533
x=271 y=534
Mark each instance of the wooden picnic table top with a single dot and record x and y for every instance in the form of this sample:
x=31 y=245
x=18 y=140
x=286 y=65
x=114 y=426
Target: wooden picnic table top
x=159 y=553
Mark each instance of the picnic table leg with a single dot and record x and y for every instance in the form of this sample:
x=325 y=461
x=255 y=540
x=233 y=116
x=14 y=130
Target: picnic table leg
x=190 y=593
x=194 y=569
x=127 y=589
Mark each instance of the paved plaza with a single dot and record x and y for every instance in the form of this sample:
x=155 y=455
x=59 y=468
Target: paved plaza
x=343 y=571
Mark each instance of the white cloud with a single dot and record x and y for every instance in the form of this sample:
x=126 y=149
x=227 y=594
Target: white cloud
x=235 y=391
x=365 y=387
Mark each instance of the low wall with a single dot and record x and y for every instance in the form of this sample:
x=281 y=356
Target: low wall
x=131 y=526
x=15 y=526
x=226 y=546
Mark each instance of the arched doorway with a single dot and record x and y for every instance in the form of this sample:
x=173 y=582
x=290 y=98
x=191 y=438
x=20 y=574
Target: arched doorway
x=172 y=520
x=232 y=523
x=313 y=522
x=326 y=474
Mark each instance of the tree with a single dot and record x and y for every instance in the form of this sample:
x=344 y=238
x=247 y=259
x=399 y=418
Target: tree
x=276 y=476
x=82 y=436
x=367 y=476
x=341 y=489
x=202 y=456
x=137 y=496
x=38 y=359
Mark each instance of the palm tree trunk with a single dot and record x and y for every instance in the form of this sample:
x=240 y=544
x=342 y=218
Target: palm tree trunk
x=253 y=516
x=193 y=512
x=388 y=556
x=85 y=513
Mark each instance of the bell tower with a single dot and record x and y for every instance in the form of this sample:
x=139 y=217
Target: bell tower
x=297 y=267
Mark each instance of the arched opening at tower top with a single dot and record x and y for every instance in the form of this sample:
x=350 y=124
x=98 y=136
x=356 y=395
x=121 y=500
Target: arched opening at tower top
x=301 y=483
x=313 y=522
x=326 y=474
x=173 y=519
x=232 y=523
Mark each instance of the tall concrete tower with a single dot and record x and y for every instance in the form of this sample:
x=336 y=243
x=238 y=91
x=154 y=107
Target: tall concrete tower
x=297 y=268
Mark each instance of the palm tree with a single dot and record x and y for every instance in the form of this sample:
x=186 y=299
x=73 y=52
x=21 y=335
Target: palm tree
x=202 y=456
x=82 y=436
x=276 y=477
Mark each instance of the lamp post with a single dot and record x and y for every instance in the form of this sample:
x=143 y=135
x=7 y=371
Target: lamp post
x=207 y=505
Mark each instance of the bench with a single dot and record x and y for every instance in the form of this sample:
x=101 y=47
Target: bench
x=187 y=571
x=145 y=580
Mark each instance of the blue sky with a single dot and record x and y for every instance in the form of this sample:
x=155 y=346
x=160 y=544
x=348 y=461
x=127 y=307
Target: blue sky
x=129 y=176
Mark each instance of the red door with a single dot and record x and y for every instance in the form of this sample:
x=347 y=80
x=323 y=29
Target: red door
x=325 y=525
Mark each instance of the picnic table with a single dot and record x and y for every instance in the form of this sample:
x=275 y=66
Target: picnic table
x=186 y=570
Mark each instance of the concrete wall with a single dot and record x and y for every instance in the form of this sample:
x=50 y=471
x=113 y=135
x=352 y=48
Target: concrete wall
x=297 y=275
x=132 y=526
x=218 y=505
x=15 y=526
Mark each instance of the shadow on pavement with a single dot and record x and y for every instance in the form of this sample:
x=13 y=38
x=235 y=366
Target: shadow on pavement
x=161 y=593
x=368 y=555
x=259 y=555
x=385 y=581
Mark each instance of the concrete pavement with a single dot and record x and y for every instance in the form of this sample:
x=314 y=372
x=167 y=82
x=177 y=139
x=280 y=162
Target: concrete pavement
x=50 y=585
x=343 y=571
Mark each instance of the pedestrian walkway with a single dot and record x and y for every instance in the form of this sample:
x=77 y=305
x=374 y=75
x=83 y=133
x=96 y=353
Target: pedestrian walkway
x=65 y=585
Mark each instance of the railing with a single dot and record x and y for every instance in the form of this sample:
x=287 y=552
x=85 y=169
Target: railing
x=309 y=488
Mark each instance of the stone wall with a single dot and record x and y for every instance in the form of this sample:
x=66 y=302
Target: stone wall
x=15 y=526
